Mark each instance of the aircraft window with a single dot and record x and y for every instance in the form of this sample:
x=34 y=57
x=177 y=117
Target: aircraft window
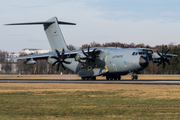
x=133 y=53
x=140 y=53
x=136 y=53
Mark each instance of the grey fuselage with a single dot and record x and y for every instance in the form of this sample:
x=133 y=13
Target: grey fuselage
x=111 y=60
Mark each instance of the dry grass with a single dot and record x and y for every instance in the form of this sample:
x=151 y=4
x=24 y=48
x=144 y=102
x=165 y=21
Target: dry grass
x=126 y=77
x=146 y=91
x=88 y=101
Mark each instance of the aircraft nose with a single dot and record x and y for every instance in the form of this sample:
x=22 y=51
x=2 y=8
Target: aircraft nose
x=143 y=61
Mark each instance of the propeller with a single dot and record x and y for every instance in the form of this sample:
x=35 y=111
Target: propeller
x=163 y=58
x=60 y=59
x=147 y=46
x=89 y=56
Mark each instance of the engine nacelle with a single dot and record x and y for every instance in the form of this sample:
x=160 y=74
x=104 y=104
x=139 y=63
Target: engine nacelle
x=30 y=62
x=51 y=60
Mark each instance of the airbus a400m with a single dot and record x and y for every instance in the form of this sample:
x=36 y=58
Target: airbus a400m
x=112 y=62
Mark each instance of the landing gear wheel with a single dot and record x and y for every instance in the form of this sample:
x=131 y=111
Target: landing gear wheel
x=107 y=77
x=115 y=77
x=93 y=78
x=134 y=77
x=119 y=77
x=111 y=77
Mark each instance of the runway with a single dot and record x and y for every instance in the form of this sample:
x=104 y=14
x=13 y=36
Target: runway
x=167 y=82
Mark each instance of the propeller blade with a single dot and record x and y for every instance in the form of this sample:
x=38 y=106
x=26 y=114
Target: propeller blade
x=166 y=51
x=168 y=62
x=57 y=52
x=67 y=62
x=88 y=50
x=94 y=50
x=55 y=63
x=54 y=57
x=58 y=66
x=63 y=67
x=62 y=56
x=159 y=54
x=80 y=61
x=84 y=53
x=159 y=63
x=164 y=64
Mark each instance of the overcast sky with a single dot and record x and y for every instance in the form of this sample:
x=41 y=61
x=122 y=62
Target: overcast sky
x=152 y=22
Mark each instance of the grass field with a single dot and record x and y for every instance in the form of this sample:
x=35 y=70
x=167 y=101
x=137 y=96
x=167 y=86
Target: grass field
x=88 y=101
x=126 y=77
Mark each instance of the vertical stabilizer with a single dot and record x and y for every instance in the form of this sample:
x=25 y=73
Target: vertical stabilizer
x=54 y=35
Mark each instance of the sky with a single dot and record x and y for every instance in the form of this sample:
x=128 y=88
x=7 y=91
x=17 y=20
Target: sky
x=152 y=22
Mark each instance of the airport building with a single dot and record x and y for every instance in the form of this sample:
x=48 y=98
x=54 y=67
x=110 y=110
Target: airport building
x=34 y=51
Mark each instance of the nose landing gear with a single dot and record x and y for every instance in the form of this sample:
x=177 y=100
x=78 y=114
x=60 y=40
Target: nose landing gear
x=134 y=77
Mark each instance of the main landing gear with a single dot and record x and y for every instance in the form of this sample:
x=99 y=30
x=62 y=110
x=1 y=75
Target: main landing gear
x=113 y=77
x=88 y=78
x=134 y=77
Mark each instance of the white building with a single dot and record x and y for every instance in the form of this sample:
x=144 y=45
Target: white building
x=34 y=51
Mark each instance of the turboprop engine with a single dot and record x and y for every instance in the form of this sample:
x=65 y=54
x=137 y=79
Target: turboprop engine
x=30 y=62
x=59 y=59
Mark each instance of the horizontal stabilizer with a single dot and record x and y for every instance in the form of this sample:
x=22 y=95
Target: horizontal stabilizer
x=46 y=22
x=52 y=31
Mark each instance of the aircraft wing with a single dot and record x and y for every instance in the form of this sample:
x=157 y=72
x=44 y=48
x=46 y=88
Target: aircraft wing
x=42 y=56
x=36 y=56
x=155 y=55
x=70 y=54
x=146 y=49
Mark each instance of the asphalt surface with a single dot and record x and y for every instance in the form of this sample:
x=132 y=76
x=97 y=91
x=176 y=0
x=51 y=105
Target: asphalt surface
x=168 y=82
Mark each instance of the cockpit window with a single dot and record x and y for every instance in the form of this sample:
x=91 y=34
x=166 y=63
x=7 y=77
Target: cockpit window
x=135 y=53
x=138 y=53
x=141 y=53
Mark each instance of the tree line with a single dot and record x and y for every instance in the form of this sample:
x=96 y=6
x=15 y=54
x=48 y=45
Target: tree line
x=42 y=67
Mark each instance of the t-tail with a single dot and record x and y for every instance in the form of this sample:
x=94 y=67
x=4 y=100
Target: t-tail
x=53 y=32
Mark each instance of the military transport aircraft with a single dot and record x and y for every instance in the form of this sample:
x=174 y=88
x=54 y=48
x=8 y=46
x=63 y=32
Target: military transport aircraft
x=111 y=62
